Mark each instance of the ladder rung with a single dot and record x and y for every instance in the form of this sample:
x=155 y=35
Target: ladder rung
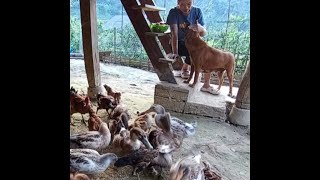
x=148 y=7
x=166 y=60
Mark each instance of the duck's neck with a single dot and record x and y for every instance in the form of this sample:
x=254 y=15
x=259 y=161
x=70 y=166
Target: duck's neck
x=168 y=131
x=104 y=129
x=105 y=160
x=135 y=142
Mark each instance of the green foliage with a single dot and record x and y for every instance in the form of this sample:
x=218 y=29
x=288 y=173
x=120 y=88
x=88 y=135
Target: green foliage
x=74 y=33
x=234 y=40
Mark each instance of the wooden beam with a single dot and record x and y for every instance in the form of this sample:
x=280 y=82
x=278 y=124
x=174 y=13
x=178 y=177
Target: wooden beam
x=90 y=46
x=149 y=43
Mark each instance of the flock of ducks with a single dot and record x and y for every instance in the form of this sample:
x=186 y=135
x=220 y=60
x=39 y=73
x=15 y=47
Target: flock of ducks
x=146 y=143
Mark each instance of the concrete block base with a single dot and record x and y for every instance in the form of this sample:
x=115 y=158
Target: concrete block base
x=239 y=116
x=93 y=91
x=184 y=99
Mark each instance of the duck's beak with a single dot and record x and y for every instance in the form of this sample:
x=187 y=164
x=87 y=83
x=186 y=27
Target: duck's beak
x=146 y=142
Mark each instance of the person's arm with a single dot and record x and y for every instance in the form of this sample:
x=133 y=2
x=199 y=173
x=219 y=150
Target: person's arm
x=174 y=38
x=172 y=21
x=197 y=27
x=202 y=30
x=200 y=23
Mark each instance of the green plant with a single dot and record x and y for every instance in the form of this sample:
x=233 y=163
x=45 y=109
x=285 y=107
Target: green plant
x=74 y=33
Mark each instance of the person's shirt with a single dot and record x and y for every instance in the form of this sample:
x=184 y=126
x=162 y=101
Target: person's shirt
x=176 y=16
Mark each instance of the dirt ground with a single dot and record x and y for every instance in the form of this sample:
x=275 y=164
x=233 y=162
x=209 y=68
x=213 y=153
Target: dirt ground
x=226 y=147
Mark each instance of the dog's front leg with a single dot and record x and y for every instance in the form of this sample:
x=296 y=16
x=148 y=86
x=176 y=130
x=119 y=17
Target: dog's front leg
x=196 y=77
x=230 y=78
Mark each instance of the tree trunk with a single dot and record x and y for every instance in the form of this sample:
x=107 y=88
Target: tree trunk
x=243 y=96
x=240 y=112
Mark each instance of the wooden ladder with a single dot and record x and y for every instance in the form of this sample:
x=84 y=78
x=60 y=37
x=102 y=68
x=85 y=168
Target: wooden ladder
x=141 y=14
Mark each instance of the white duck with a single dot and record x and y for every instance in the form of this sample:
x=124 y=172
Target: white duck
x=182 y=128
x=89 y=161
x=97 y=140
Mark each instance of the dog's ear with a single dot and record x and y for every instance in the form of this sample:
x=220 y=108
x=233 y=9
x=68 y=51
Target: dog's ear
x=193 y=28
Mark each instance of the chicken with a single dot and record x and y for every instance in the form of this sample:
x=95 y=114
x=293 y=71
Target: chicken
x=105 y=102
x=94 y=121
x=116 y=95
x=78 y=104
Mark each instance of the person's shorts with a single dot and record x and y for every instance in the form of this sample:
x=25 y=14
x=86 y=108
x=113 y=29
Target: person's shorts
x=183 y=51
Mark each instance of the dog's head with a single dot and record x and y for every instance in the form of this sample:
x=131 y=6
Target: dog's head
x=191 y=32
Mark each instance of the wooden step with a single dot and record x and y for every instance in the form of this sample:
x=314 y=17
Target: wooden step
x=148 y=7
x=166 y=60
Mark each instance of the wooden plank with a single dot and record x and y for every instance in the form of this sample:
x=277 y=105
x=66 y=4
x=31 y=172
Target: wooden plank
x=147 y=7
x=90 y=41
x=166 y=60
x=157 y=34
x=76 y=55
x=149 y=43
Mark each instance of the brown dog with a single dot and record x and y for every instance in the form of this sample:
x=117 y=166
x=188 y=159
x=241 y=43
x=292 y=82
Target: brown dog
x=208 y=59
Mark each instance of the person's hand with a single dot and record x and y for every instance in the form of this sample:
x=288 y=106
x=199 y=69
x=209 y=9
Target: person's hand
x=172 y=56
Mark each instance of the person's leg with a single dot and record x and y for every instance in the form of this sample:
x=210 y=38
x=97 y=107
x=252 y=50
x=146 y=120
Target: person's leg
x=182 y=50
x=207 y=77
x=185 y=71
x=206 y=85
x=185 y=67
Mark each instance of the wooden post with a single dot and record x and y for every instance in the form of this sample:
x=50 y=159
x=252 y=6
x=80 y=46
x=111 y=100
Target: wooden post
x=90 y=46
x=240 y=112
